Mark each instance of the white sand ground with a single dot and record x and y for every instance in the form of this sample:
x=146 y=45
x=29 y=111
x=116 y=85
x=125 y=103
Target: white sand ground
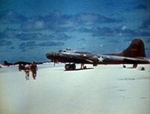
x=102 y=90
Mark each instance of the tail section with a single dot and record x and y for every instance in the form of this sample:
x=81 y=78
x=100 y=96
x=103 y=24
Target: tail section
x=135 y=49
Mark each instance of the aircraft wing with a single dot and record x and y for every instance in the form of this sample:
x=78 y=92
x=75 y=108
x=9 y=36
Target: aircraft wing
x=70 y=54
x=84 y=57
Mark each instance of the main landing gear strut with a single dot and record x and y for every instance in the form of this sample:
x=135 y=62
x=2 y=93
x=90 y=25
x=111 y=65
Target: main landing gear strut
x=134 y=66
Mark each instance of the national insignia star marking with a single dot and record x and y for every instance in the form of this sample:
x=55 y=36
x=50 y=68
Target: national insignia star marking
x=100 y=59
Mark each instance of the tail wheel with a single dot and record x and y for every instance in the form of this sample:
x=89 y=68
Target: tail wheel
x=124 y=66
x=134 y=65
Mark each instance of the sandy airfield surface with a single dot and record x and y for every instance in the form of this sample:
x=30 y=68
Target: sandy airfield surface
x=102 y=90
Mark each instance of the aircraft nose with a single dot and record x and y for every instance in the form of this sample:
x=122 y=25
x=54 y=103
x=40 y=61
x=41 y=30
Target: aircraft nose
x=51 y=55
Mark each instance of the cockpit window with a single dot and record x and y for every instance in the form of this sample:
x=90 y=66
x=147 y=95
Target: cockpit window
x=64 y=50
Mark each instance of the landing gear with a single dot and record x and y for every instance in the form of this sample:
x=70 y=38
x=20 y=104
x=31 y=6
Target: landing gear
x=82 y=66
x=124 y=66
x=73 y=66
x=70 y=67
x=134 y=65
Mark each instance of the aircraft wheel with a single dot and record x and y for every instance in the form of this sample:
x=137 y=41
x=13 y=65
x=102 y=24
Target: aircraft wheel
x=70 y=67
x=67 y=67
x=124 y=66
x=84 y=67
x=73 y=66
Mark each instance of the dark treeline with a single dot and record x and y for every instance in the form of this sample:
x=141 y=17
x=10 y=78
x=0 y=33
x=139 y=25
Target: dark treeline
x=6 y=63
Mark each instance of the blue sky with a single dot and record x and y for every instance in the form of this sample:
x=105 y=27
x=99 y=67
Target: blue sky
x=31 y=28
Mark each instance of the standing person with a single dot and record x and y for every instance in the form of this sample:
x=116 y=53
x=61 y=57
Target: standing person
x=26 y=70
x=21 y=67
x=33 y=69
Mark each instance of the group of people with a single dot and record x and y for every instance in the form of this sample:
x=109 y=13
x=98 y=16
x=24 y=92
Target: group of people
x=27 y=68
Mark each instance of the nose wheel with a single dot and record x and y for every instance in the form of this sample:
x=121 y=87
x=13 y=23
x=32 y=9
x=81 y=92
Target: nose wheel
x=70 y=67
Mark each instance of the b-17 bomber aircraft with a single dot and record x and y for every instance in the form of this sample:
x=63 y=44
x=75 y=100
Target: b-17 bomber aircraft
x=134 y=54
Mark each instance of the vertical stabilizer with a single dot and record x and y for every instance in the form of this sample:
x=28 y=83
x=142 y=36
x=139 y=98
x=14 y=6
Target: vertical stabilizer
x=135 y=49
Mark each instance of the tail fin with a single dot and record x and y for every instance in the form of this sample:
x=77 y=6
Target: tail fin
x=136 y=49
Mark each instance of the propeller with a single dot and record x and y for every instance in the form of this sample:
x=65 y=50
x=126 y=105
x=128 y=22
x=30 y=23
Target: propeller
x=55 y=56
